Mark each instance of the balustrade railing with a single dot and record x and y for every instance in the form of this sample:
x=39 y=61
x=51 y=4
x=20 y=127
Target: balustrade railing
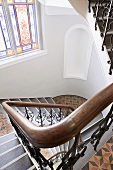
x=36 y=135
x=103 y=13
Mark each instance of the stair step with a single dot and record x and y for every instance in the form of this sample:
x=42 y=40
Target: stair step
x=22 y=162
x=43 y=100
x=9 y=144
x=33 y=110
x=110 y=32
x=19 y=109
x=100 y=24
x=87 y=134
x=93 y=122
x=11 y=154
x=51 y=101
x=43 y=110
x=15 y=108
x=107 y=41
x=34 y=100
x=32 y=168
x=7 y=137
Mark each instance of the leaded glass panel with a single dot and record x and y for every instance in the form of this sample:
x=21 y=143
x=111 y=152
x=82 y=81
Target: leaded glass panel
x=23 y=23
x=5 y=44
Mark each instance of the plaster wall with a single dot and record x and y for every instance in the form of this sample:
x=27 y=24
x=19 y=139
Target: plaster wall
x=43 y=76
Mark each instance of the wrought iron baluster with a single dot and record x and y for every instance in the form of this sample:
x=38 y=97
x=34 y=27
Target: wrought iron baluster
x=71 y=156
x=103 y=127
x=104 y=17
x=43 y=162
x=111 y=51
x=51 y=116
x=26 y=113
x=107 y=23
x=59 y=115
x=96 y=13
x=40 y=115
x=89 y=5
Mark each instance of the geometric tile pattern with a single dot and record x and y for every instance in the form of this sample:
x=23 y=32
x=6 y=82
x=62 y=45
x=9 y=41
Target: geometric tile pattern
x=71 y=100
x=5 y=125
x=103 y=159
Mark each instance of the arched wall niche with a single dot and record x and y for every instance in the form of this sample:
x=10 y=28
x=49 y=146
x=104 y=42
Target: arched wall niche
x=77 y=52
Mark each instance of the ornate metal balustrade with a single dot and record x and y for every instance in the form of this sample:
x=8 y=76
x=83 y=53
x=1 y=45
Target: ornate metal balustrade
x=103 y=127
x=64 y=125
x=46 y=116
x=103 y=13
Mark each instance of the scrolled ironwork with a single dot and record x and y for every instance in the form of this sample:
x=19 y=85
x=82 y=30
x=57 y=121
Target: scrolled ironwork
x=53 y=136
x=103 y=127
x=28 y=114
x=103 y=11
x=72 y=155
x=69 y=158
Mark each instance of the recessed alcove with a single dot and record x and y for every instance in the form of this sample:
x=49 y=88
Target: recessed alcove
x=77 y=52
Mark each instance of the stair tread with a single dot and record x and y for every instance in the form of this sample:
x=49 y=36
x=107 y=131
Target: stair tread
x=51 y=101
x=87 y=134
x=11 y=154
x=93 y=122
x=43 y=100
x=19 y=163
x=9 y=144
x=7 y=137
x=32 y=168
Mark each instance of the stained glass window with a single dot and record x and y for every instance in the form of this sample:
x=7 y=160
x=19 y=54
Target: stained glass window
x=23 y=24
x=5 y=43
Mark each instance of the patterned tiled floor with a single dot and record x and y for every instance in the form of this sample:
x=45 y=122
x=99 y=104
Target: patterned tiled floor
x=103 y=160
x=5 y=126
x=72 y=100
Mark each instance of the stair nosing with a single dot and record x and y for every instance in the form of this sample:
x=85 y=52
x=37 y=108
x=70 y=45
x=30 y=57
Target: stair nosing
x=82 y=131
x=10 y=149
x=31 y=168
x=7 y=135
x=14 y=160
x=109 y=32
x=8 y=141
x=87 y=139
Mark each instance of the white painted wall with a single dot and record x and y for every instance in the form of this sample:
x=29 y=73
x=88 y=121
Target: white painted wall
x=78 y=41
x=43 y=76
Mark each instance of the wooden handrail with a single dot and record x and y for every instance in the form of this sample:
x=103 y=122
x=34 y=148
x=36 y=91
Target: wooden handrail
x=57 y=134
x=36 y=104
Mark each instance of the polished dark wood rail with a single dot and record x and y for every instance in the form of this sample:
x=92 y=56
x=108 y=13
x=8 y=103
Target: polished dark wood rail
x=57 y=134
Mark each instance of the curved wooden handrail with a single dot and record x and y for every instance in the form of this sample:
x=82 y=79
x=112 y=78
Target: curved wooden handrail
x=57 y=134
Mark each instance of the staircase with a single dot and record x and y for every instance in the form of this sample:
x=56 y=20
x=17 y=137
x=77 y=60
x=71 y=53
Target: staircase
x=10 y=143
x=102 y=12
x=12 y=154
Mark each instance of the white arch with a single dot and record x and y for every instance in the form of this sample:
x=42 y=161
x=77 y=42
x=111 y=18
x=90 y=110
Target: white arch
x=77 y=52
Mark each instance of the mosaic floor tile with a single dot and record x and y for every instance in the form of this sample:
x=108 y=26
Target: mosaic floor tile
x=71 y=100
x=5 y=126
x=103 y=159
